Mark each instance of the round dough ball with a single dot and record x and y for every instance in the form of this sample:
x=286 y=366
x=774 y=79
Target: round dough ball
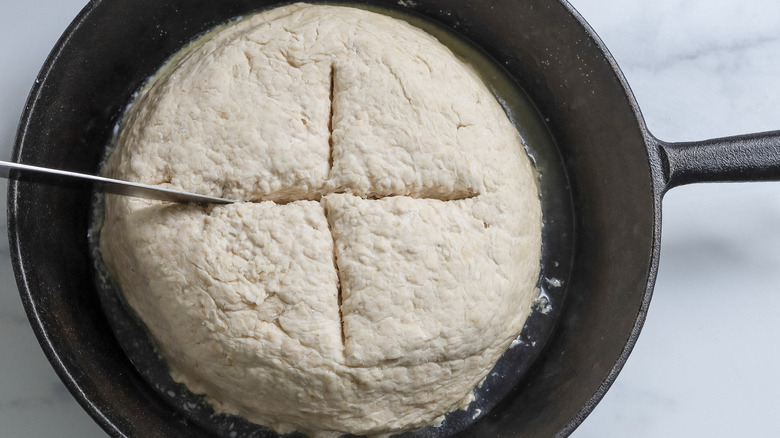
x=390 y=251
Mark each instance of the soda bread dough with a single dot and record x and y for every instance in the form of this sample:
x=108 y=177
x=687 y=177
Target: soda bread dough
x=390 y=252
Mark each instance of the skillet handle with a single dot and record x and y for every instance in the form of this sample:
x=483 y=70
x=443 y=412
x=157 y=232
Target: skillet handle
x=752 y=157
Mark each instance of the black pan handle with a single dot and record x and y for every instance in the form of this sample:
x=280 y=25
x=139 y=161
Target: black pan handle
x=752 y=157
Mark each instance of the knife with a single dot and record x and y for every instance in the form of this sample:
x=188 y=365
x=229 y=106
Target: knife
x=113 y=186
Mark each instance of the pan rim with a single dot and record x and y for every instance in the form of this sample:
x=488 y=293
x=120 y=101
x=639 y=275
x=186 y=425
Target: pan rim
x=16 y=248
x=658 y=187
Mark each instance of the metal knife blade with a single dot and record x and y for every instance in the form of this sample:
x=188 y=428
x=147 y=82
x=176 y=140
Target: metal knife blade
x=115 y=186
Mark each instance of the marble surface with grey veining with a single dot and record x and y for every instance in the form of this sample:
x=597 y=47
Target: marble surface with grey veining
x=706 y=362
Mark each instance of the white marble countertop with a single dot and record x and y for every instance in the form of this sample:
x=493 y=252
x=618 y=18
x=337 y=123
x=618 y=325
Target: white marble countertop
x=706 y=362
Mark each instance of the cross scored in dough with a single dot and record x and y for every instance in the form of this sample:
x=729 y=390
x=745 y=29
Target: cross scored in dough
x=443 y=195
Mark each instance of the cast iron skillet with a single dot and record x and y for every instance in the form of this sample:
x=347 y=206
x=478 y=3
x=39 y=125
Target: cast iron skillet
x=617 y=174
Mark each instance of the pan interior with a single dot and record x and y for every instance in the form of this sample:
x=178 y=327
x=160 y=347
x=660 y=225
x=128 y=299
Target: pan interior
x=508 y=373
